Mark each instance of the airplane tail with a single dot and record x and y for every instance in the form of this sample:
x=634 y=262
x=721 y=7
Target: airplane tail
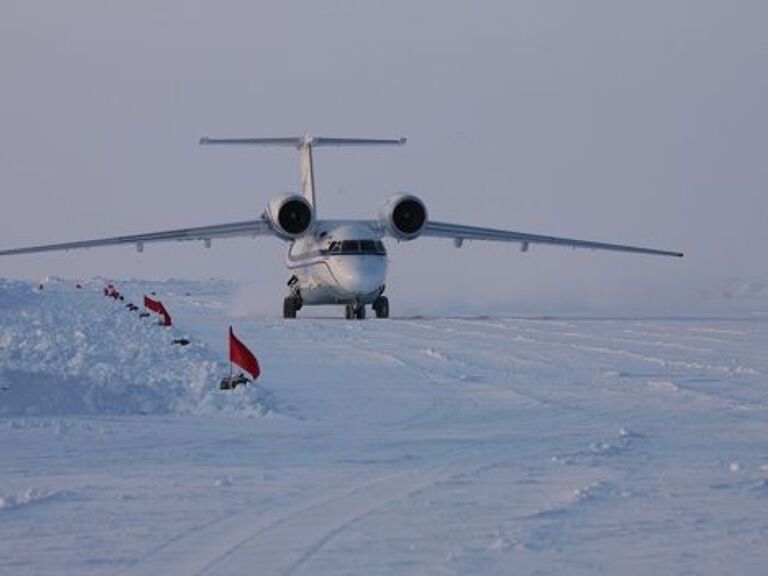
x=304 y=145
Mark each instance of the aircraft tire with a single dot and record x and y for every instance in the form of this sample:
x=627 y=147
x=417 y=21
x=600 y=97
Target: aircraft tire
x=354 y=312
x=381 y=307
x=289 y=307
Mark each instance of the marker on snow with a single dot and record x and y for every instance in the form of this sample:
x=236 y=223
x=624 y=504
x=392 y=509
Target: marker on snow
x=239 y=354
x=112 y=292
x=157 y=307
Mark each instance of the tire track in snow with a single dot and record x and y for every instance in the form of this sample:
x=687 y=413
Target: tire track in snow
x=462 y=381
x=608 y=345
x=194 y=550
x=283 y=540
x=556 y=337
x=310 y=529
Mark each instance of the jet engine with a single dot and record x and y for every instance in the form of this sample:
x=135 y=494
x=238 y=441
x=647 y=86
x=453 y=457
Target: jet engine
x=403 y=216
x=291 y=216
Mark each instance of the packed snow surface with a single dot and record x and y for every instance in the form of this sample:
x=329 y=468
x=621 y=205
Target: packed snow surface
x=407 y=446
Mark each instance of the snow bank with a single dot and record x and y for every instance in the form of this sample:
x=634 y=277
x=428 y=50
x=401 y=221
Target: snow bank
x=69 y=350
x=28 y=497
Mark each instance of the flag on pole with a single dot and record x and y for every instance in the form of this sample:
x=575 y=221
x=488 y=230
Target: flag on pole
x=240 y=355
x=157 y=307
x=153 y=305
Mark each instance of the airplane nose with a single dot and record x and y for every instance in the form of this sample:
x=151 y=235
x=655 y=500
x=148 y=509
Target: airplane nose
x=359 y=276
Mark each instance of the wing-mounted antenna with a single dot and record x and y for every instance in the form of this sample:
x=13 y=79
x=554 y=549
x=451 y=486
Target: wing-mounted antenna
x=304 y=145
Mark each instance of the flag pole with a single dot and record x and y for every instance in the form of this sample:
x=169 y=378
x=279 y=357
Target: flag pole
x=230 y=354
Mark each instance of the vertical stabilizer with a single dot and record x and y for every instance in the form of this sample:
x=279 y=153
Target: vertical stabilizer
x=307 y=171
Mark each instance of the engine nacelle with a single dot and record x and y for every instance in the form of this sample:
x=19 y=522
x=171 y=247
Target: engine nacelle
x=403 y=216
x=291 y=216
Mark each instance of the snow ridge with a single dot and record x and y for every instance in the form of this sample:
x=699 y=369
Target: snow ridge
x=70 y=350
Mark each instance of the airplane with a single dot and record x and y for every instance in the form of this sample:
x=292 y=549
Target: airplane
x=341 y=262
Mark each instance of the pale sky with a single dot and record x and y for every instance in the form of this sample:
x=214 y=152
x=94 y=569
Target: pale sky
x=630 y=122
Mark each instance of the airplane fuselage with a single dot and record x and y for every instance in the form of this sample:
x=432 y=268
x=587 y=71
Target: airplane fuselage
x=340 y=262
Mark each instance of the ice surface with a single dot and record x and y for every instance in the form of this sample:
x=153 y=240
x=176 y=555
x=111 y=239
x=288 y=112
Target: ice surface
x=408 y=446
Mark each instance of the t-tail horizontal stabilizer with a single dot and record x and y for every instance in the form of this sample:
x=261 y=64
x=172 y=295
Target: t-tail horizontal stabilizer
x=304 y=145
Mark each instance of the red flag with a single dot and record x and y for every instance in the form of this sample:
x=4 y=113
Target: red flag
x=157 y=307
x=240 y=355
x=153 y=305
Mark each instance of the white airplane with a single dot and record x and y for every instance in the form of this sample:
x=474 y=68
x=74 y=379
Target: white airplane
x=335 y=261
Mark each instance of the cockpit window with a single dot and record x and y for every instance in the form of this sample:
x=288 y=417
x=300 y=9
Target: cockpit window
x=367 y=246
x=357 y=247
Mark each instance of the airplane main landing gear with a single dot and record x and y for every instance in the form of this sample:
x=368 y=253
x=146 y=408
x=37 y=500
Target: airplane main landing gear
x=354 y=312
x=381 y=307
x=291 y=305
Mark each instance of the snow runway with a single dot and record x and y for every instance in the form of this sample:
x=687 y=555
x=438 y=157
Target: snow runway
x=411 y=446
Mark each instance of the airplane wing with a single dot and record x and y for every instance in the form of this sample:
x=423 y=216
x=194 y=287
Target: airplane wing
x=205 y=233
x=460 y=233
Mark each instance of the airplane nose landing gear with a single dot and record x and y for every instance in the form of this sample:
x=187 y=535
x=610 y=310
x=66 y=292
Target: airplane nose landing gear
x=355 y=312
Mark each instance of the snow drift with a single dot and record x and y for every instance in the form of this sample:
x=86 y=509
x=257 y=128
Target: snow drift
x=69 y=350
